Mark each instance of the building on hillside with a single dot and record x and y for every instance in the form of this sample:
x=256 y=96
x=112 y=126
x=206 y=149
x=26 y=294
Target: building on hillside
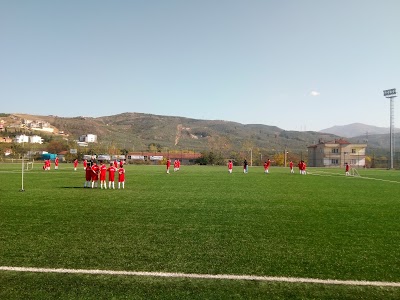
x=7 y=152
x=155 y=157
x=6 y=140
x=21 y=139
x=88 y=138
x=35 y=124
x=336 y=153
x=35 y=139
x=26 y=122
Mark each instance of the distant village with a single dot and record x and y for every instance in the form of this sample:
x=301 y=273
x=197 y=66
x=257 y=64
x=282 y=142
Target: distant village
x=83 y=141
x=35 y=126
x=40 y=126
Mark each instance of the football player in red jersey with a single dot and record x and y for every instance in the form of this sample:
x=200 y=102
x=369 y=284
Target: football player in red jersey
x=111 y=176
x=121 y=177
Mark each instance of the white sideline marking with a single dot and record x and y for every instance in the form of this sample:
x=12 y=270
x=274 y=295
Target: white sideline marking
x=360 y=177
x=206 y=276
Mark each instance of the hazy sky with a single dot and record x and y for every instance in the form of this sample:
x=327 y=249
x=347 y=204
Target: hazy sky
x=295 y=64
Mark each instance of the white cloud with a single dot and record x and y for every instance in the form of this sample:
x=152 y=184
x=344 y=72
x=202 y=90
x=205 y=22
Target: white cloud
x=315 y=93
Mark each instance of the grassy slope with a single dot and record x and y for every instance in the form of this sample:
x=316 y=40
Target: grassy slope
x=138 y=130
x=200 y=220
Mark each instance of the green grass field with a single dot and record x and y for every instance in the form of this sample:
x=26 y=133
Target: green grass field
x=200 y=220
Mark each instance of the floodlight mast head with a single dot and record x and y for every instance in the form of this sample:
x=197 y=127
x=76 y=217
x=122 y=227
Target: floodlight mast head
x=390 y=93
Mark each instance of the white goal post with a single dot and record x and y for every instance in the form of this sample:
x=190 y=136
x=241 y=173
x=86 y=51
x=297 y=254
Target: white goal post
x=29 y=165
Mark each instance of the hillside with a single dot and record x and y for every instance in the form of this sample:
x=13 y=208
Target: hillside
x=135 y=131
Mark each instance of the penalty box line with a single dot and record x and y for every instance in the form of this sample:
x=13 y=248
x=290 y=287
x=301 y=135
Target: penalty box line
x=205 y=276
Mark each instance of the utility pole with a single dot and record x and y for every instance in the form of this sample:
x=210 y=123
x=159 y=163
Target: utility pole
x=285 y=156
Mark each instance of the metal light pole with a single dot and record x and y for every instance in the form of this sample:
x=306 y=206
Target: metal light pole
x=22 y=175
x=285 y=157
x=391 y=94
x=22 y=169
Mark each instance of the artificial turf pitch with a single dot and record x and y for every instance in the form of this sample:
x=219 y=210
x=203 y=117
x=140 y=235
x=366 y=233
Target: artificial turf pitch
x=200 y=220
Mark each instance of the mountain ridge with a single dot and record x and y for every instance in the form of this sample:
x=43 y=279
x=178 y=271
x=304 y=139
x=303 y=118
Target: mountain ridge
x=136 y=131
x=356 y=130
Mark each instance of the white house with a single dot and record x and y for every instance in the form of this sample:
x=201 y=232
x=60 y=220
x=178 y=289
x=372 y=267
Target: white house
x=35 y=139
x=88 y=138
x=21 y=139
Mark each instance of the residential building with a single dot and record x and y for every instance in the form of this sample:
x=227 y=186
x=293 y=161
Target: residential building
x=6 y=140
x=336 y=154
x=21 y=139
x=88 y=138
x=35 y=139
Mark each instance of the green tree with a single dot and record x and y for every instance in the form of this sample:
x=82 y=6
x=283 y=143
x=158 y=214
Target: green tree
x=210 y=158
x=153 y=147
x=124 y=152
x=279 y=158
x=56 y=146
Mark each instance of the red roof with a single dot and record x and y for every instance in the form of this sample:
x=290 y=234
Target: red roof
x=342 y=142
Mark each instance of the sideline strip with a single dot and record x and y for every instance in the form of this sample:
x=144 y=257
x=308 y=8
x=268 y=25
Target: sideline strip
x=322 y=173
x=206 y=276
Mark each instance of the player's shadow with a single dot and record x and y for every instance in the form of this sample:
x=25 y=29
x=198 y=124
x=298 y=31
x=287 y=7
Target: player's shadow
x=72 y=187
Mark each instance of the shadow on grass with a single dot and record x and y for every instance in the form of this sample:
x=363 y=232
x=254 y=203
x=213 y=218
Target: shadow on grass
x=74 y=187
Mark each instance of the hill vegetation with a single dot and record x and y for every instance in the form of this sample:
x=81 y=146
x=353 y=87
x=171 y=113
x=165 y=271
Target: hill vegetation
x=133 y=132
x=136 y=131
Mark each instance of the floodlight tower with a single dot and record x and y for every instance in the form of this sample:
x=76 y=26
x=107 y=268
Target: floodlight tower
x=391 y=94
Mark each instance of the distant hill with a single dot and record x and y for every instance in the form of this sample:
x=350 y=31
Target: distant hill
x=356 y=130
x=135 y=131
x=376 y=138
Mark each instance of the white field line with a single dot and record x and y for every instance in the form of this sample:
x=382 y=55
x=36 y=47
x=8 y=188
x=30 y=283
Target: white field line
x=205 y=276
x=360 y=177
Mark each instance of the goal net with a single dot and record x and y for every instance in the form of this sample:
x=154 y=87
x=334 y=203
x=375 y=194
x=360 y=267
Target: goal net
x=29 y=165
x=354 y=172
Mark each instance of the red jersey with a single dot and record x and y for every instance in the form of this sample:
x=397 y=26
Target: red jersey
x=175 y=164
x=291 y=165
x=95 y=172
x=75 y=163
x=103 y=172
x=84 y=164
x=168 y=163
x=88 y=174
x=56 y=162
x=347 y=167
x=111 y=173
x=121 y=175
x=230 y=165
x=115 y=164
